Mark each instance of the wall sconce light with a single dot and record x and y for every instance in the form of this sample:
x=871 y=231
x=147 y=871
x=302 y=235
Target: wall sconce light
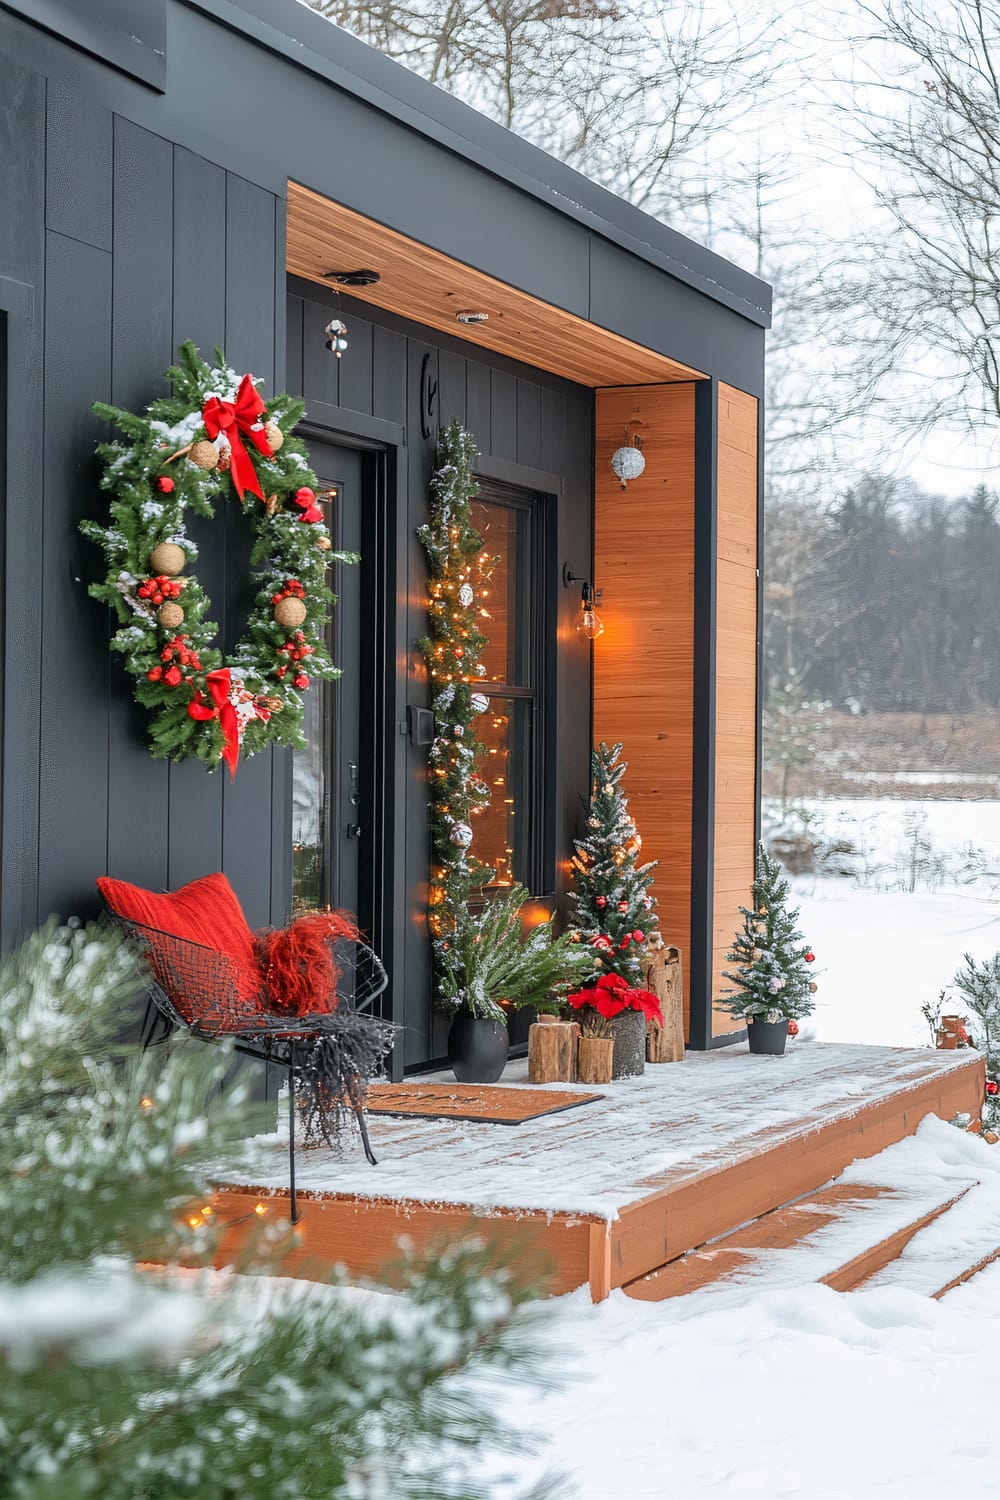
x=628 y=462
x=589 y=624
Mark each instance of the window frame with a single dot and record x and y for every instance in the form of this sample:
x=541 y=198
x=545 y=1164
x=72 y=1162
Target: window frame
x=534 y=865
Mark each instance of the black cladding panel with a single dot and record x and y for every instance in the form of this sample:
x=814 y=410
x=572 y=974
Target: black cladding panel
x=131 y=35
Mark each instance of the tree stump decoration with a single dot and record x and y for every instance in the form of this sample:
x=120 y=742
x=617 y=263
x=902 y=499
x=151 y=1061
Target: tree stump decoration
x=665 y=978
x=552 y=1050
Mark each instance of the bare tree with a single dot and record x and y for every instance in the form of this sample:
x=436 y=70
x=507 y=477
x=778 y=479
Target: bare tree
x=635 y=93
x=930 y=127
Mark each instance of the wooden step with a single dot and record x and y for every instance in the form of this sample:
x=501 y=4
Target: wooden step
x=944 y=1254
x=839 y=1237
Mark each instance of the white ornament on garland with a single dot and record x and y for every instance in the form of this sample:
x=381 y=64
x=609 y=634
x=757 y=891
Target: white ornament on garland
x=479 y=703
x=461 y=834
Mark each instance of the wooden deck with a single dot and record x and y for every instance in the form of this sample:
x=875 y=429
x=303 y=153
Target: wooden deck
x=609 y=1194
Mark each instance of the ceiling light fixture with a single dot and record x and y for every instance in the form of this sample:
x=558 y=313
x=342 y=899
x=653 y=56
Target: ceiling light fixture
x=353 y=278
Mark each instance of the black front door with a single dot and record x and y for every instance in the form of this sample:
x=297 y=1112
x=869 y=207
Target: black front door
x=331 y=817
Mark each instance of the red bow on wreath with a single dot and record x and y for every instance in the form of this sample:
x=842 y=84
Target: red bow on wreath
x=219 y=687
x=235 y=419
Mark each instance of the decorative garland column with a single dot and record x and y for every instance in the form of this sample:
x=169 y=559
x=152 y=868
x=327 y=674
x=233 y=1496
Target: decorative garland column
x=459 y=569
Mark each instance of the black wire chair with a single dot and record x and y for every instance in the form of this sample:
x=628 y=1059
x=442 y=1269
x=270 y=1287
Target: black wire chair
x=329 y=1057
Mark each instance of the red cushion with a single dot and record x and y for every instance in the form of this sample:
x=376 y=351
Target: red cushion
x=205 y=911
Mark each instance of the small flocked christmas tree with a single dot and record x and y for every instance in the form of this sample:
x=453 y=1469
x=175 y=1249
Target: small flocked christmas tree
x=979 y=986
x=120 y=1383
x=770 y=955
x=613 y=911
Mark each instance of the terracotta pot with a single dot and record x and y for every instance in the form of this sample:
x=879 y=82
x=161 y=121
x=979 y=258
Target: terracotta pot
x=947 y=1040
x=768 y=1036
x=477 y=1048
x=594 y=1059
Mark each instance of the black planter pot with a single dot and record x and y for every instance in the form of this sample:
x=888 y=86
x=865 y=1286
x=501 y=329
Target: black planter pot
x=629 y=1031
x=768 y=1036
x=477 y=1048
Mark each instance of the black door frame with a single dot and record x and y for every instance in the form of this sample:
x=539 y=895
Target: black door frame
x=384 y=722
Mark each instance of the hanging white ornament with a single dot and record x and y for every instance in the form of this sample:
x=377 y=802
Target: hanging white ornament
x=466 y=595
x=628 y=462
x=461 y=834
x=479 y=703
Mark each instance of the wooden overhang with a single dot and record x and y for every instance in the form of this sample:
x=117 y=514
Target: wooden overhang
x=429 y=287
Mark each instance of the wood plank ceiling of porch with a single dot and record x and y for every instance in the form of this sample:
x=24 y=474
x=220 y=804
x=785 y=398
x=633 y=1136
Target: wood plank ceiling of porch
x=425 y=285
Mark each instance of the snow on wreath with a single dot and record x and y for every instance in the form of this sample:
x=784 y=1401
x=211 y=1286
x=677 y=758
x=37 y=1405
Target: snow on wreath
x=215 y=436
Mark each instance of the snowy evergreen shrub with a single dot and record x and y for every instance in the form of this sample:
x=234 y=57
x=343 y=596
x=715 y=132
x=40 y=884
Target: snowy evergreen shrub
x=156 y=1384
x=770 y=957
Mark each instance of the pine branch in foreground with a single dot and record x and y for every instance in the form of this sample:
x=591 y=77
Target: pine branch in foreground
x=136 y=1385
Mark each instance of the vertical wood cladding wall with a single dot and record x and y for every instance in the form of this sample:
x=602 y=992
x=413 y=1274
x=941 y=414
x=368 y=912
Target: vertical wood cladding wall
x=522 y=420
x=135 y=244
x=735 y=677
x=644 y=661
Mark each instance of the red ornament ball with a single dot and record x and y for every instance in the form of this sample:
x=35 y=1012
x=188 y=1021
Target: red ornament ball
x=623 y=906
x=301 y=681
x=639 y=936
x=172 y=676
x=600 y=901
x=793 y=1028
x=165 y=484
x=810 y=957
x=304 y=496
x=992 y=1088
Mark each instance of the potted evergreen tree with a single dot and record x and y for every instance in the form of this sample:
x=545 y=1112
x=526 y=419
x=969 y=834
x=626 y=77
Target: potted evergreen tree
x=496 y=968
x=613 y=918
x=774 y=988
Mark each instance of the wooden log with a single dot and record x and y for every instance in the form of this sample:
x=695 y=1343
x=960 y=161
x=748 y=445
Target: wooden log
x=552 y=1051
x=595 y=1058
x=664 y=977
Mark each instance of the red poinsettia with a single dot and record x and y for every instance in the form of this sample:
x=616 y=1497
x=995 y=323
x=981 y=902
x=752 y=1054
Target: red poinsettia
x=612 y=994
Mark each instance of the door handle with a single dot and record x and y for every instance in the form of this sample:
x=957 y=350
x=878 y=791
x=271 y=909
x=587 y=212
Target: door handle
x=352 y=776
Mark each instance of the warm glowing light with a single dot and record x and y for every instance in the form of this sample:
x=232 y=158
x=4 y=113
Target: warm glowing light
x=260 y=1208
x=207 y=1211
x=195 y=1221
x=145 y=1103
x=589 y=626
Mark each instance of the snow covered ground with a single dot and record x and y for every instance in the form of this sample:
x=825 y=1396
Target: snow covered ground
x=884 y=950
x=800 y=1393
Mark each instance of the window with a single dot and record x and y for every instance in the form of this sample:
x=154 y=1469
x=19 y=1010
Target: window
x=510 y=831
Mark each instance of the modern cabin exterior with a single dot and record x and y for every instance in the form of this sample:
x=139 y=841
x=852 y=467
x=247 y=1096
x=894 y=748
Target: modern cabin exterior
x=175 y=169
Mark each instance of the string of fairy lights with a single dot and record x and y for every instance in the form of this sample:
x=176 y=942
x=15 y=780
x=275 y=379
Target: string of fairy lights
x=460 y=574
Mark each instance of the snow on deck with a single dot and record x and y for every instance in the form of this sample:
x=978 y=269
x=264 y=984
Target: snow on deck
x=676 y=1121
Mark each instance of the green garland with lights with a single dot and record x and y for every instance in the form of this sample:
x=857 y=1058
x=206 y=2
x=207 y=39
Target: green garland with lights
x=213 y=435
x=458 y=572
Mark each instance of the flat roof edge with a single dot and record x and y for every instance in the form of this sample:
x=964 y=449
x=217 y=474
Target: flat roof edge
x=322 y=47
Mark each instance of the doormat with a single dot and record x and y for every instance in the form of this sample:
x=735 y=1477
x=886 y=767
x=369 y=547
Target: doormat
x=483 y=1104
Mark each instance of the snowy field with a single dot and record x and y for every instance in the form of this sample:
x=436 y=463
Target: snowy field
x=882 y=948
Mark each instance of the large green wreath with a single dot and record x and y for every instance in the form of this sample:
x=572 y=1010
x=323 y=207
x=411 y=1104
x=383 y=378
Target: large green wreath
x=214 y=435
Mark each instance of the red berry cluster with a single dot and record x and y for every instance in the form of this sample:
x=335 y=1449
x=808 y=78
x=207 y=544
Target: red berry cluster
x=165 y=484
x=993 y=1088
x=292 y=590
x=632 y=937
x=160 y=588
x=176 y=655
x=305 y=499
x=296 y=649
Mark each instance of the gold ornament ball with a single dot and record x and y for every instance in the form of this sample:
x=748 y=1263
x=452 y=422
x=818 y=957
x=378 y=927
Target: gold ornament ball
x=168 y=559
x=275 y=436
x=323 y=543
x=813 y=987
x=289 y=613
x=170 y=616
x=204 y=455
